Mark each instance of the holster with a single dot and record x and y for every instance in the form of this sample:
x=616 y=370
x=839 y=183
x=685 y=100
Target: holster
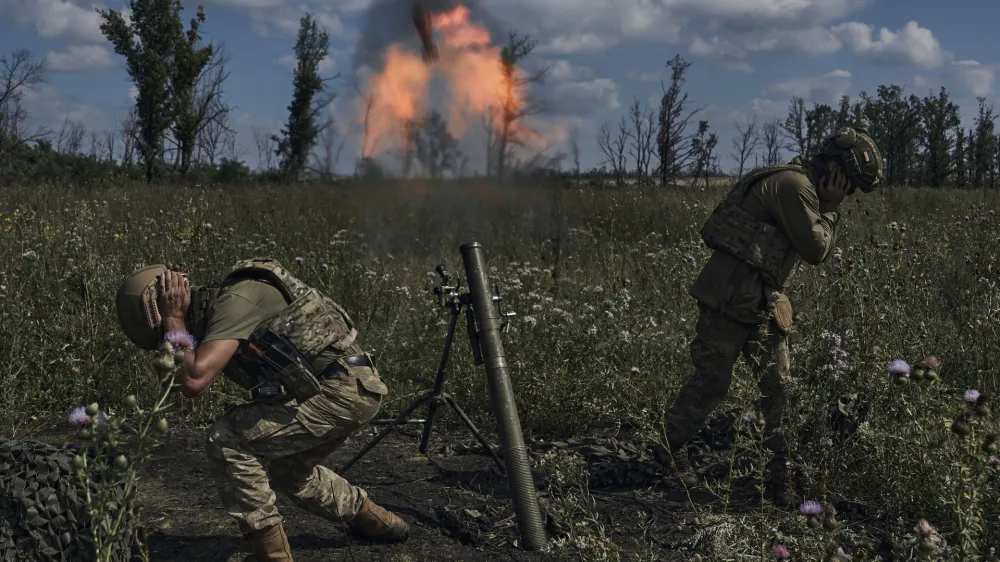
x=283 y=372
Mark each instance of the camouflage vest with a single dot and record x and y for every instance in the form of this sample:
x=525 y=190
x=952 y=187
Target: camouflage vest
x=760 y=243
x=312 y=322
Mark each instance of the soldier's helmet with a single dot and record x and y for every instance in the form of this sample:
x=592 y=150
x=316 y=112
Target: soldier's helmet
x=135 y=305
x=855 y=151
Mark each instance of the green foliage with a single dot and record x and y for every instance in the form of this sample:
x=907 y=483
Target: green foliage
x=915 y=275
x=299 y=134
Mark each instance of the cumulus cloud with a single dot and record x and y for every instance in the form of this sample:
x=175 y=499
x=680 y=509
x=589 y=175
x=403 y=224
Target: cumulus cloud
x=586 y=96
x=911 y=45
x=71 y=19
x=80 y=58
x=574 y=44
x=282 y=20
x=562 y=70
x=973 y=77
x=822 y=89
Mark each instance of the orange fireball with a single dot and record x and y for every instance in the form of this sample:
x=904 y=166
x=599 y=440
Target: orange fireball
x=478 y=82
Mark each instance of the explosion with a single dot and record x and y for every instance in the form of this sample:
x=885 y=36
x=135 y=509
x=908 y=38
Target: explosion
x=479 y=82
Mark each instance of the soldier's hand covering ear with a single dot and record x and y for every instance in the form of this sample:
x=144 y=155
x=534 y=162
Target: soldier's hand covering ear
x=174 y=294
x=833 y=187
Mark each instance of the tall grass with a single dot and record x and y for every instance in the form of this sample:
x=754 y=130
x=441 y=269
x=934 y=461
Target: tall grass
x=599 y=279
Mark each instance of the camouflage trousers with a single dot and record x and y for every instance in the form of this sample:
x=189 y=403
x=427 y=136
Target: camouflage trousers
x=257 y=446
x=719 y=342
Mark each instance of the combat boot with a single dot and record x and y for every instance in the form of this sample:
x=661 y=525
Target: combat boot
x=780 y=485
x=269 y=545
x=680 y=463
x=376 y=523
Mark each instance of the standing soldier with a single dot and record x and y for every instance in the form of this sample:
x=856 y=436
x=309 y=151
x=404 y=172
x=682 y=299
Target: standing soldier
x=771 y=219
x=309 y=384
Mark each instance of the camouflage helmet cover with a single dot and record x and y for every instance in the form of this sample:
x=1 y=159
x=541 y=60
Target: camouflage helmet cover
x=854 y=149
x=135 y=305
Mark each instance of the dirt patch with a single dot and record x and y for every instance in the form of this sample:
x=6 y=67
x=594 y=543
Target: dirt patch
x=456 y=502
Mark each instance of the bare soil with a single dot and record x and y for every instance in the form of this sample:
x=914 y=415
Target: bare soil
x=456 y=502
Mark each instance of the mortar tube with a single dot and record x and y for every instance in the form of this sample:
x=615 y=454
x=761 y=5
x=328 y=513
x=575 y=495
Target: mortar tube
x=520 y=480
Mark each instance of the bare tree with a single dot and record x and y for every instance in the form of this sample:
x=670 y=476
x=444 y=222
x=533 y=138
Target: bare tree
x=129 y=131
x=515 y=103
x=211 y=111
x=265 y=149
x=96 y=148
x=704 y=153
x=772 y=142
x=574 y=149
x=110 y=139
x=643 y=121
x=489 y=128
x=326 y=155
x=674 y=148
x=795 y=127
x=614 y=146
x=745 y=143
x=19 y=72
x=70 y=140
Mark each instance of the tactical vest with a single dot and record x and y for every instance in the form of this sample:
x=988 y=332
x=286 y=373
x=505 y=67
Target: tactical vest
x=762 y=244
x=312 y=322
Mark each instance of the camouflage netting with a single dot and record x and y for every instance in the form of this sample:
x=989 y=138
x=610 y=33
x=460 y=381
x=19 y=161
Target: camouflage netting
x=43 y=515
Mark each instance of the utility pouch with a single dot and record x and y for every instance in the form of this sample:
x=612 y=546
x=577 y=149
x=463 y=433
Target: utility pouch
x=280 y=362
x=781 y=311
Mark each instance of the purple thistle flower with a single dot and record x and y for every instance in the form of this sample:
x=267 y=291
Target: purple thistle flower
x=810 y=508
x=79 y=416
x=208 y=226
x=993 y=461
x=691 y=259
x=299 y=261
x=971 y=397
x=781 y=552
x=899 y=368
x=992 y=212
x=966 y=218
x=635 y=370
x=325 y=267
x=958 y=223
x=626 y=282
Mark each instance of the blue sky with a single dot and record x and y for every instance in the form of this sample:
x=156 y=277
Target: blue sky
x=749 y=57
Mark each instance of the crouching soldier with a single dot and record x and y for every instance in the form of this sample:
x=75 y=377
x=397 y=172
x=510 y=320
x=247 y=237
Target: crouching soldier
x=309 y=387
x=771 y=219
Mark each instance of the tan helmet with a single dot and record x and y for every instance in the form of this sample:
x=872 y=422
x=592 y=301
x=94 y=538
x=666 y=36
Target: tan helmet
x=136 y=307
x=854 y=149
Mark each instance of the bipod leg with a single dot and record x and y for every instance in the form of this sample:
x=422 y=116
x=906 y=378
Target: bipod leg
x=475 y=432
x=400 y=419
x=439 y=381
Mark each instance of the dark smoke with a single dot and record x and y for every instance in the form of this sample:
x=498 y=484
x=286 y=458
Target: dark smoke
x=390 y=22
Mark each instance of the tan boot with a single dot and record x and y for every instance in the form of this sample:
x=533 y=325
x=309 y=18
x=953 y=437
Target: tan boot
x=677 y=460
x=378 y=524
x=270 y=544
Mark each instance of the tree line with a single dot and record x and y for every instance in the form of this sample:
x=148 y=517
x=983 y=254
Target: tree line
x=178 y=128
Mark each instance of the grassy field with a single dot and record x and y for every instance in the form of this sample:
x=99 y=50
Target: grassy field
x=598 y=279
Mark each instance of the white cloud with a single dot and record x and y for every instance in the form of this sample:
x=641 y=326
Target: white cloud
x=911 y=45
x=577 y=43
x=282 y=20
x=919 y=81
x=72 y=19
x=974 y=78
x=288 y=62
x=590 y=95
x=821 y=89
x=80 y=58
x=562 y=70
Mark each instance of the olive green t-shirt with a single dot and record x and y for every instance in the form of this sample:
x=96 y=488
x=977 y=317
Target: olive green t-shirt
x=242 y=306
